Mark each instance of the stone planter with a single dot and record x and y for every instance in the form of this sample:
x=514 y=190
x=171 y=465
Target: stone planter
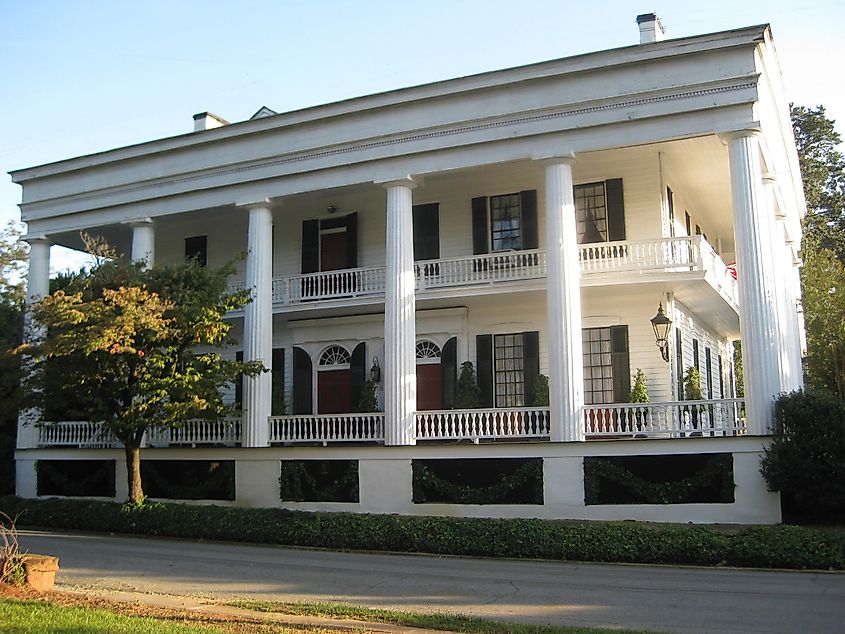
x=40 y=571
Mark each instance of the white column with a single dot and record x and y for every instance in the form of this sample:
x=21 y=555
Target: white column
x=143 y=241
x=563 y=298
x=776 y=278
x=757 y=309
x=37 y=287
x=399 y=372
x=258 y=324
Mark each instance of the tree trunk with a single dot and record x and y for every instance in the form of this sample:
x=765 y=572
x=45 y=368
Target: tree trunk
x=133 y=474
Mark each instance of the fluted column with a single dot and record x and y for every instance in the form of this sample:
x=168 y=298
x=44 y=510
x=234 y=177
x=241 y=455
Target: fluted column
x=143 y=241
x=563 y=298
x=758 y=302
x=776 y=272
x=400 y=378
x=258 y=324
x=37 y=287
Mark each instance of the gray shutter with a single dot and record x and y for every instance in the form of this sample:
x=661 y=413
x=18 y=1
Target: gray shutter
x=449 y=370
x=480 y=241
x=358 y=373
x=530 y=363
x=615 y=201
x=302 y=401
x=484 y=362
x=621 y=365
x=310 y=246
x=528 y=209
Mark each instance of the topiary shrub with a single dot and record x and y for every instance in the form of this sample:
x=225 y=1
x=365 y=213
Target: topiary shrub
x=540 y=398
x=467 y=393
x=639 y=393
x=806 y=461
x=368 y=402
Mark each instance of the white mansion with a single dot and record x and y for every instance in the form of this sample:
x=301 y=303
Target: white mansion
x=529 y=220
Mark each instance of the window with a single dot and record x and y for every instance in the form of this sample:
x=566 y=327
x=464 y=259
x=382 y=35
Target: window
x=505 y=222
x=599 y=212
x=428 y=352
x=196 y=248
x=334 y=356
x=606 y=365
x=509 y=376
x=330 y=244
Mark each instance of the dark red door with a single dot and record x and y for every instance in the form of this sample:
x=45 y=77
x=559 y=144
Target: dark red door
x=333 y=251
x=429 y=386
x=334 y=392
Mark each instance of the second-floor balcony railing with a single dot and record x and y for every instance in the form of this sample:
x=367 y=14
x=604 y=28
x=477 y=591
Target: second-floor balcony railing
x=665 y=255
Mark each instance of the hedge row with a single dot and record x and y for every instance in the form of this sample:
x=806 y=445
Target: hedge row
x=628 y=542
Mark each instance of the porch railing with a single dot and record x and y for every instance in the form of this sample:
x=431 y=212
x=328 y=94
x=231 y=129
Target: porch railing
x=483 y=424
x=683 y=253
x=325 y=428
x=674 y=419
x=226 y=432
x=75 y=433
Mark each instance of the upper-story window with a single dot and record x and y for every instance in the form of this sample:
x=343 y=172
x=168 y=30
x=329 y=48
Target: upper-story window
x=196 y=248
x=330 y=244
x=504 y=222
x=600 y=212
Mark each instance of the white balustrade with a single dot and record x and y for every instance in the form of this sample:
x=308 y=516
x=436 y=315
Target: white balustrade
x=684 y=253
x=195 y=432
x=481 y=424
x=674 y=419
x=325 y=428
x=75 y=433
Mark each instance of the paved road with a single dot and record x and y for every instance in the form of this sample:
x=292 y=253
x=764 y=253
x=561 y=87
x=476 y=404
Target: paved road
x=661 y=599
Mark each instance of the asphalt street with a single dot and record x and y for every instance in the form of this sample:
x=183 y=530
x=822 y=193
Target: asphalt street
x=661 y=599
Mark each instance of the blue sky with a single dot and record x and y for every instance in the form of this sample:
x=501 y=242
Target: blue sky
x=85 y=76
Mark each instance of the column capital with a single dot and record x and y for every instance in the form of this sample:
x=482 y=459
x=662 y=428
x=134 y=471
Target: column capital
x=138 y=222
x=402 y=181
x=562 y=158
x=35 y=238
x=733 y=135
x=258 y=203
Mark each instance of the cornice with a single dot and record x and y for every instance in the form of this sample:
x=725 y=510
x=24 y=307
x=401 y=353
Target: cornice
x=556 y=113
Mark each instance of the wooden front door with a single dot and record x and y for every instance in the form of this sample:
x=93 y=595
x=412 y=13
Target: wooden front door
x=333 y=251
x=429 y=386
x=334 y=392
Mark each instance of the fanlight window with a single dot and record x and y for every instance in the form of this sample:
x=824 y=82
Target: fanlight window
x=335 y=355
x=427 y=350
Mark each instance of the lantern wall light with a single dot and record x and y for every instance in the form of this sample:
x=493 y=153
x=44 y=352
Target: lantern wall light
x=661 y=324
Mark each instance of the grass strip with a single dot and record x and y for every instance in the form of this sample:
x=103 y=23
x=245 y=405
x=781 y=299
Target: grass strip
x=39 y=617
x=434 y=621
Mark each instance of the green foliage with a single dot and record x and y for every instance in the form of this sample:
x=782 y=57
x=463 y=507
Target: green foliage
x=13 y=258
x=629 y=542
x=540 y=398
x=639 y=393
x=437 y=481
x=467 y=392
x=131 y=342
x=189 y=479
x=278 y=407
x=692 y=384
x=368 y=402
x=319 y=480
x=608 y=481
x=739 y=373
x=12 y=569
x=806 y=460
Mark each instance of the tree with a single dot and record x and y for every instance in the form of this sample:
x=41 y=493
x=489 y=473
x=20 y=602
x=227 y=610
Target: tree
x=141 y=348
x=823 y=246
x=13 y=257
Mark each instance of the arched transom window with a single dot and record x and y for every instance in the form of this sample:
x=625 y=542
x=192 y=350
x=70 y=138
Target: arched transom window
x=334 y=356
x=428 y=352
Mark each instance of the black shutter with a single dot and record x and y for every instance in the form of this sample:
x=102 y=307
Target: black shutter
x=530 y=363
x=708 y=376
x=615 y=209
x=484 y=361
x=528 y=204
x=695 y=354
x=449 y=371
x=352 y=241
x=302 y=402
x=721 y=379
x=277 y=379
x=239 y=382
x=196 y=248
x=310 y=246
x=479 y=226
x=426 y=232
x=621 y=365
x=358 y=373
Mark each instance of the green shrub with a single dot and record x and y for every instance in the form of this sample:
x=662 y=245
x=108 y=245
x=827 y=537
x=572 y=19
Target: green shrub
x=629 y=542
x=639 y=393
x=368 y=402
x=467 y=392
x=806 y=461
x=540 y=398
